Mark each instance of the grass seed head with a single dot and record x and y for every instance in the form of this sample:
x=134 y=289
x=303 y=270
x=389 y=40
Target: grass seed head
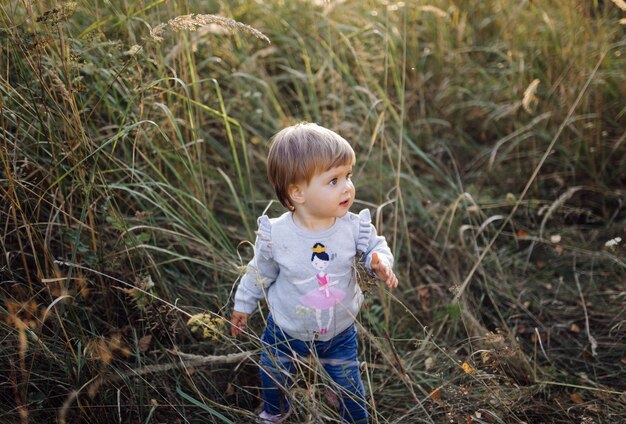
x=192 y=21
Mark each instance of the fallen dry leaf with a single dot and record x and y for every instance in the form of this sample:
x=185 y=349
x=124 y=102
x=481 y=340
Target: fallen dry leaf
x=230 y=389
x=576 y=398
x=144 y=343
x=467 y=368
x=543 y=337
x=429 y=363
x=574 y=328
x=435 y=394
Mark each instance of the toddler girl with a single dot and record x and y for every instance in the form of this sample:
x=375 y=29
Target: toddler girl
x=302 y=267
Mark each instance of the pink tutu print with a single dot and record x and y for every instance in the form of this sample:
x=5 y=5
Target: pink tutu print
x=324 y=296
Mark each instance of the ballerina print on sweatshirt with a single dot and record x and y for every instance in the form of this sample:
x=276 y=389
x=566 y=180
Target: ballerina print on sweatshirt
x=324 y=297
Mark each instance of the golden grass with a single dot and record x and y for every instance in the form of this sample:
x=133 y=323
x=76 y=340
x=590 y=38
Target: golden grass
x=192 y=22
x=620 y=3
x=124 y=210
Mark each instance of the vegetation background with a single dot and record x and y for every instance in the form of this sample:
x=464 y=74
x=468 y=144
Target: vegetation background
x=490 y=139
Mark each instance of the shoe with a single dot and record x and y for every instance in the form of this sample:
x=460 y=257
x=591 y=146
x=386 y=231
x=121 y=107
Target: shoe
x=267 y=418
x=332 y=399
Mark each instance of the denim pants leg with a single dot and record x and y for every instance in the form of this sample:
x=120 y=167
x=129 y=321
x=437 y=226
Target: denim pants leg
x=276 y=368
x=338 y=357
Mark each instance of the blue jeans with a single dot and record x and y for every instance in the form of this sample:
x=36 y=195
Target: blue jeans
x=338 y=356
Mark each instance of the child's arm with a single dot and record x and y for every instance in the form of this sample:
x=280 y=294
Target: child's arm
x=378 y=256
x=238 y=322
x=384 y=271
x=261 y=273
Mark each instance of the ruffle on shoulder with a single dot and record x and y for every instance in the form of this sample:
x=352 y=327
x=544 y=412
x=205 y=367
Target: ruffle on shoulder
x=365 y=228
x=264 y=237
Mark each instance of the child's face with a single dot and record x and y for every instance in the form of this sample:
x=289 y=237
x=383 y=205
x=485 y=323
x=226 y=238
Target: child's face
x=328 y=195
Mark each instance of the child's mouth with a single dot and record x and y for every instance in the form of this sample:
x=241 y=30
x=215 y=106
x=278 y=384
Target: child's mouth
x=345 y=203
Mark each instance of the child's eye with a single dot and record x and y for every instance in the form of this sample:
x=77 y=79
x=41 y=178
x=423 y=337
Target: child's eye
x=333 y=181
x=349 y=177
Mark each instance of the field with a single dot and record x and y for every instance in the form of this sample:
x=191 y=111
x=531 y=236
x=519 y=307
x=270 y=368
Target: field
x=491 y=149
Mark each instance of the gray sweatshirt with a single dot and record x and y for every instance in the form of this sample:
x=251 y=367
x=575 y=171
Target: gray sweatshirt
x=307 y=277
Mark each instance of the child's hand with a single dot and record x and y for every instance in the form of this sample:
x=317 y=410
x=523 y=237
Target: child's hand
x=384 y=271
x=238 y=322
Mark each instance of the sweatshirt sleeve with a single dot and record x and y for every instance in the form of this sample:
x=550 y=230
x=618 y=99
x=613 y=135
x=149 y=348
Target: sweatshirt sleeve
x=261 y=271
x=369 y=241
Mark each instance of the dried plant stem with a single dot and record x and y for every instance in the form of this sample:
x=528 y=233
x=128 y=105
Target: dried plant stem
x=620 y=3
x=191 y=360
x=532 y=178
x=187 y=360
x=553 y=207
x=191 y=22
x=592 y=340
x=396 y=366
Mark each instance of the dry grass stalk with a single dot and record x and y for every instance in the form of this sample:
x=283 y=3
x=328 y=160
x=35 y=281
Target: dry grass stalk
x=58 y=85
x=529 y=99
x=620 y=3
x=434 y=10
x=191 y=22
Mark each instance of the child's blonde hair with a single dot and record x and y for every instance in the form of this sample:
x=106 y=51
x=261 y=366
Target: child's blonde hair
x=301 y=151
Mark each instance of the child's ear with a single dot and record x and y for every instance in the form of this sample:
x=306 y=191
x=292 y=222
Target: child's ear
x=296 y=194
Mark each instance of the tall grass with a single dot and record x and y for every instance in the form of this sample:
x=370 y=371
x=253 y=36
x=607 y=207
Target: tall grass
x=490 y=145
